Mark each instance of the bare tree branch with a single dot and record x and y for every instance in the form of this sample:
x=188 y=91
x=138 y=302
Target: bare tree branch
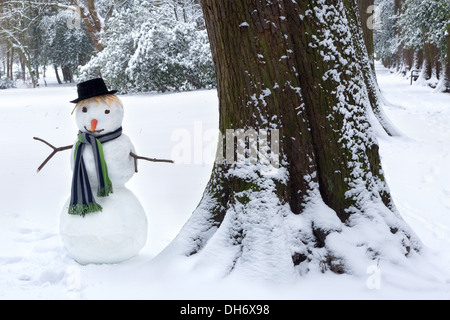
x=136 y=158
x=55 y=150
x=110 y=10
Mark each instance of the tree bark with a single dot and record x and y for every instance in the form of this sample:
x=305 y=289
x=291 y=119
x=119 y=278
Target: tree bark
x=447 y=61
x=11 y=64
x=92 y=21
x=428 y=61
x=67 y=73
x=292 y=66
x=7 y=65
x=418 y=59
x=24 y=70
x=26 y=62
x=367 y=16
x=408 y=59
x=57 y=74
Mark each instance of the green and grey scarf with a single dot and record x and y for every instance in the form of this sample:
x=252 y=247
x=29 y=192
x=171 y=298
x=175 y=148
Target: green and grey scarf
x=82 y=200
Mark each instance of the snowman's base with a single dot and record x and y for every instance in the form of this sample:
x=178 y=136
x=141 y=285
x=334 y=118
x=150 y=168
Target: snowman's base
x=115 y=234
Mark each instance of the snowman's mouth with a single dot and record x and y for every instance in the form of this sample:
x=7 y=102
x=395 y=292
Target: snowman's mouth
x=95 y=131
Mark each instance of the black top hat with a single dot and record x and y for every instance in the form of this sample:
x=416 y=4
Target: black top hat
x=91 y=88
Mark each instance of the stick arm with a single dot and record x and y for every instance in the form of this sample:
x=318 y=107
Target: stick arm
x=55 y=150
x=136 y=158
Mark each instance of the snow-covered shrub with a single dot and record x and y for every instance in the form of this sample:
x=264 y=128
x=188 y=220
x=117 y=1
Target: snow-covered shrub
x=148 y=50
x=6 y=83
x=171 y=57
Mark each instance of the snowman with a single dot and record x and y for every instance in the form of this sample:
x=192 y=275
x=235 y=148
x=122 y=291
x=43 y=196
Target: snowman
x=102 y=221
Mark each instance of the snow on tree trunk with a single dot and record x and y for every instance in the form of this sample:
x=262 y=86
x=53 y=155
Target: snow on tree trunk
x=293 y=66
x=364 y=47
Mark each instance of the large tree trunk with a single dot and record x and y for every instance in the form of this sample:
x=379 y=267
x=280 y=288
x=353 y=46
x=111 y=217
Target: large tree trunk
x=292 y=66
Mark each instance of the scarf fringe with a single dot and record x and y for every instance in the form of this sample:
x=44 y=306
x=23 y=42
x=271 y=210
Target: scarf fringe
x=105 y=191
x=83 y=209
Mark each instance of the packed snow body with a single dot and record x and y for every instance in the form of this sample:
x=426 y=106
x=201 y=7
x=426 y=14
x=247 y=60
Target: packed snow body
x=119 y=231
x=113 y=235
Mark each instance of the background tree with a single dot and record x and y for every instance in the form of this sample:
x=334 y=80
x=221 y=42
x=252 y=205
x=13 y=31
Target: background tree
x=18 y=21
x=414 y=37
x=93 y=13
x=385 y=42
x=422 y=27
x=293 y=66
x=447 y=58
x=63 y=47
x=152 y=47
x=21 y=20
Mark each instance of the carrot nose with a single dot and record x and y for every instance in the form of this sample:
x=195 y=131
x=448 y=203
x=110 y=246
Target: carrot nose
x=93 y=124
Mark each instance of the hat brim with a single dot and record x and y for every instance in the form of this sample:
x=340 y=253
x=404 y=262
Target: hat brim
x=94 y=95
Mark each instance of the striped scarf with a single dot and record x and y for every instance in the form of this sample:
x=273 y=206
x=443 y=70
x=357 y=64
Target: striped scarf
x=82 y=200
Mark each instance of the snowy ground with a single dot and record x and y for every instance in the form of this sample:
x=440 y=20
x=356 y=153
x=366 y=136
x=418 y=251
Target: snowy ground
x=34 y=264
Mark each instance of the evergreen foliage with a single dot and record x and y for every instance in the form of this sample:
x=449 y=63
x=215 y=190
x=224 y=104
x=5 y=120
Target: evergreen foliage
x=414 y=35
x=424 y=22
x=150 y=48
x=6 y=83
x=63 y=46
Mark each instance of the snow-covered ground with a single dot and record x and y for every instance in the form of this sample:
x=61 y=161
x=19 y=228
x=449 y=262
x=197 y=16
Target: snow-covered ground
x=34 y=264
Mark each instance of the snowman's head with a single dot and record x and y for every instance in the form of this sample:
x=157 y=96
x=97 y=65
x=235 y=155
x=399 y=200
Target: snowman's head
x=99 y=115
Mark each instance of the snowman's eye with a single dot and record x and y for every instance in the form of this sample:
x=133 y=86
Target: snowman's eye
x=107 y=111
x=84 y=109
